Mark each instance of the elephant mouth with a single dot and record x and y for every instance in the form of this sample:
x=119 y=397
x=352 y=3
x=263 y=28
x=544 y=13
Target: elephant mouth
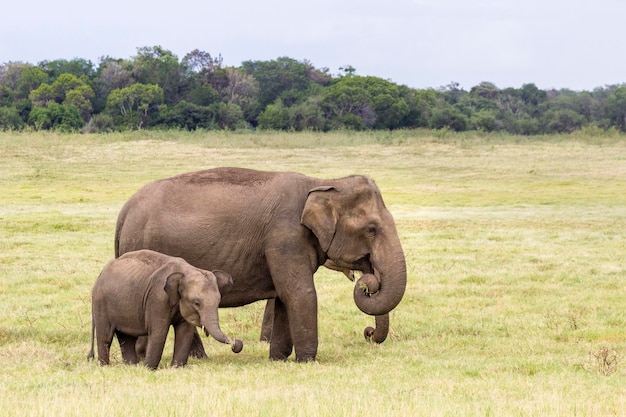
x=364 y=264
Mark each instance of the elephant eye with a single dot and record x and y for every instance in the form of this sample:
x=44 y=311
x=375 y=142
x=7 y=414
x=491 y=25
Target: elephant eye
x=196 y=303
x=371 y=230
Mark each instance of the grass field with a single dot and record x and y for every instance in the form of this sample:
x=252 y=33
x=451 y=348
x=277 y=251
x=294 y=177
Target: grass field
x=515 y=305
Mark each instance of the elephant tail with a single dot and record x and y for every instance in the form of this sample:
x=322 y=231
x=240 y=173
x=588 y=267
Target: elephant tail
x=91 y=354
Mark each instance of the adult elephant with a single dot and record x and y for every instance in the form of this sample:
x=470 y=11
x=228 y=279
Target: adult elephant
x=271 y=231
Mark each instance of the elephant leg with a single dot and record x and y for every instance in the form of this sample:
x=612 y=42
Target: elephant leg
x=281 y=344
x=295 y=307
x=183 y=336
x=303 y=326
x=104 y=334
x=268 y=321
x=127 y=346
x=140 y=346
x=104 y=350
x=154 y=350
x=197 y=349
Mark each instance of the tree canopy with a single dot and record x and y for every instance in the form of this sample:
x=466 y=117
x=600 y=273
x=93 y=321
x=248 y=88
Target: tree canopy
x=156 y=89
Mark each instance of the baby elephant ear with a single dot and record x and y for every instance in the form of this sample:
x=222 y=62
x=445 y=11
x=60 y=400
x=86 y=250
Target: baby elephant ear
x=172 y=287
x=224 y=280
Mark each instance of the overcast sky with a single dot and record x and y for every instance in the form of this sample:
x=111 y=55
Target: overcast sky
x=576 y=44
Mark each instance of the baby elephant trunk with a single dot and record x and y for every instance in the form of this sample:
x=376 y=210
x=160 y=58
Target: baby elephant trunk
x=213 y=329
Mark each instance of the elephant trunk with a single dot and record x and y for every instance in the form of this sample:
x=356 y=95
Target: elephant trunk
x=211 y=328
x=378 y=334
x=378 y=293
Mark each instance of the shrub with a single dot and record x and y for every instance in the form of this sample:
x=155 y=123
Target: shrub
x=10 y=119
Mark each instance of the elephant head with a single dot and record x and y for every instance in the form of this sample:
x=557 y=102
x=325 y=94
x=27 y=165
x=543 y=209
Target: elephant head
x=357 y=232
x=198 y=294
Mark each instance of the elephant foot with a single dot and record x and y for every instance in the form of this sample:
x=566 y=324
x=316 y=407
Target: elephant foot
x=305 y=359
x=279 y=353
x=279 y=356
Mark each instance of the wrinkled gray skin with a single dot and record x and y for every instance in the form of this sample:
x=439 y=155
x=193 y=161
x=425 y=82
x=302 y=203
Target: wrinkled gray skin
x=271 y=231
x=143 y=293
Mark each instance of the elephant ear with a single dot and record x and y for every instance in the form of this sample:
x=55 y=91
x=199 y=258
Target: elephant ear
x=224 y=280
x=320 y=216
x=171 y=286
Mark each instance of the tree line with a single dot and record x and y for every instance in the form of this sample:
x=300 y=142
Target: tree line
x=156 y=89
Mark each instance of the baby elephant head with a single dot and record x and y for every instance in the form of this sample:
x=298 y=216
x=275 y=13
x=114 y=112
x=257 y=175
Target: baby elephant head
x=198 y=293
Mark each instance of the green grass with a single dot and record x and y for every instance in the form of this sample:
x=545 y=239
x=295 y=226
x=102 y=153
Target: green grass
x=515 y=303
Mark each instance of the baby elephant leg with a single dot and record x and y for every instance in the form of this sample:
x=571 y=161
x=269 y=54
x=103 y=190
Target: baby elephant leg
x=183 y=337
x=154 y=350
x=105 y=332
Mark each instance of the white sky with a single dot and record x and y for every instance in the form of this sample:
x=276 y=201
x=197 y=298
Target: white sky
x=576 y=44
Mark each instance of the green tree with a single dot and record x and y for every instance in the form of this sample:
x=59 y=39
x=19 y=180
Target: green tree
x=10 y=119
x=201 y=78
x=65 y=83
x=21 y=78
x=345 y=101
x=446 y=115
x=284 y=78
x=80 y=97
x=420 y=104
x=203 y=94
x=134 y=106
x=81 y=68
x=68 y=90
x=158 y=66
x=562 y=121
x=55 y=116
x=519 y=110
x=452 y=92
x=111 y=74
x=375 y=101
x=484 y=120
x=482 y=97
x=242 y=90
x=31 y=78
x=189 y=116
x=229 y=116
x=275 y=116
x=532 y=97
x=43 y=95
x=307 y=115
x=390 y=108
x=7 y=96
x=615 y=107
x=199 y=64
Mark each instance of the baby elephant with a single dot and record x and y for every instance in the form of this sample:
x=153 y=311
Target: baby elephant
x=143 y=293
